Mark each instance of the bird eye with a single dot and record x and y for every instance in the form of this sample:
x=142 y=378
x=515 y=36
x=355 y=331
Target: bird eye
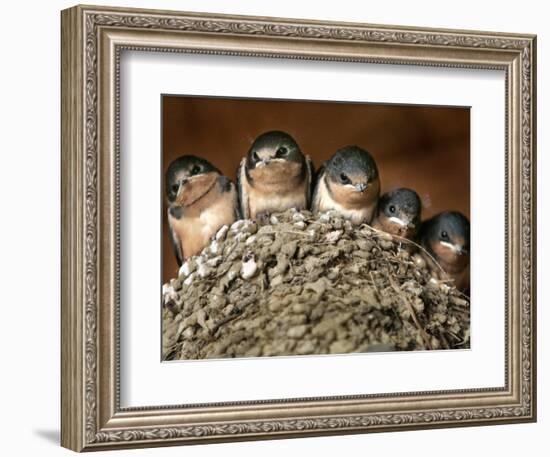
x=392 y=209
x=282 y=151
x=196 y=170
x=175 y=188
x=444 y=235
x=344 y=178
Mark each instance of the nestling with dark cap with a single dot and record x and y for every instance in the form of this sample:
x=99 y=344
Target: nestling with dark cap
x=398 y=213
x=200 y=201
x=349 y=184
x=274 y=176
x=446 y=237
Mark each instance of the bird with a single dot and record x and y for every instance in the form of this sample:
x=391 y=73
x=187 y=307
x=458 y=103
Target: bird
x=398 y=213
x=349 y=184
x=200 y=202
x=446 y=238
x=274 y=176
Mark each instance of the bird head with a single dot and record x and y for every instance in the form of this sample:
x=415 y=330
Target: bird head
x=186 y=177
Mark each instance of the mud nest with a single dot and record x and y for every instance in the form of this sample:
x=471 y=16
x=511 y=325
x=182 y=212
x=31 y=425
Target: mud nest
x=303 y=284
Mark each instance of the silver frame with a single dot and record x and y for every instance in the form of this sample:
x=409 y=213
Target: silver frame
x=92 y=41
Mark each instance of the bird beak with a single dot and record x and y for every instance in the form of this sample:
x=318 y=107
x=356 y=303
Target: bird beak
x=406 y=228
x=449 y=245
x=462 y=250
x=399 y=222
x=262 y=162
x=360 y=187
x=273 y=159
x=459 y=249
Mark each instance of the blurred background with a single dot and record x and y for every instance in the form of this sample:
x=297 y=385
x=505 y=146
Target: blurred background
x=425 y=148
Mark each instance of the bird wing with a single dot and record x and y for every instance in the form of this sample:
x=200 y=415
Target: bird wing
x=235 y=194
x=242 y=193
x=226 y=185
x=236 y=203
x=310 y=175
x=176 y=242
x=318 y=176
x=424 y=234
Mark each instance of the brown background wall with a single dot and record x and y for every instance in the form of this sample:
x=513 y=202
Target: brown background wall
x=424 y=148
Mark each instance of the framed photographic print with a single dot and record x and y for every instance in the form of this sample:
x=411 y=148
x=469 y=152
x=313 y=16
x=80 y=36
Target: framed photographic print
x=317 y=281
x=281 y=228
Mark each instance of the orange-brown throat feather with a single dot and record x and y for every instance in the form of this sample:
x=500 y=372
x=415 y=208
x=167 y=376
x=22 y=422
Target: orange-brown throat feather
x=196 y=188
x=450 y=260
x=383 y=222
x=276 y=176
x=350 y=198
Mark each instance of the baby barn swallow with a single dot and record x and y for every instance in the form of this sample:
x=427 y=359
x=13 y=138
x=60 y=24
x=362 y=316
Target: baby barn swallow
x=398 y=213
x=274 y=176
x=446 y=237
x=200 y=201
x=349 y=184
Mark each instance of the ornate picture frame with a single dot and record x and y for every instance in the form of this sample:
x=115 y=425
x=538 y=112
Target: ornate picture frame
x=93 y=39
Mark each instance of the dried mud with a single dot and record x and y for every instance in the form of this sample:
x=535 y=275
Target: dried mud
x=304 y=284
